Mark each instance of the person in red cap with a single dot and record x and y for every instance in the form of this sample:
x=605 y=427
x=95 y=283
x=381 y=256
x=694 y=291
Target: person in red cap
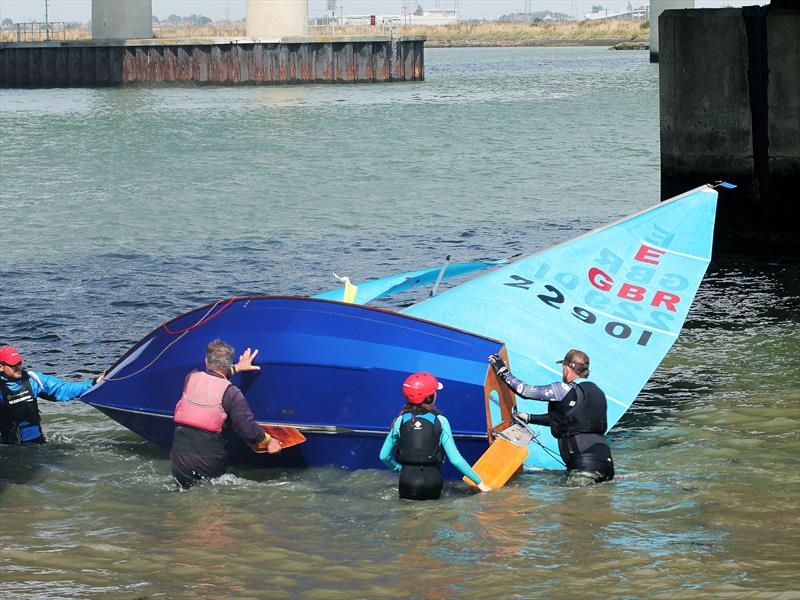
x=576 y=415
x=20 y=390
x=423 y=438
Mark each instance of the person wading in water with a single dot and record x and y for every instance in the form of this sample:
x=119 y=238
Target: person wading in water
x=576 y=415
x=423 y=438
x=208 y=406
x=20 y=390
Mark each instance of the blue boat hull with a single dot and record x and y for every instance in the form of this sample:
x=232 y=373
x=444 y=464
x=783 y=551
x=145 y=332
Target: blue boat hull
x=356 y=450
x=332 y=370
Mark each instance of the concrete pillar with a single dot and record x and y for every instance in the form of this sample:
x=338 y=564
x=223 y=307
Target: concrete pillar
x=276 y=19
x=121 y=19
x=656 y=8
x=729 y=86
x=783 y=100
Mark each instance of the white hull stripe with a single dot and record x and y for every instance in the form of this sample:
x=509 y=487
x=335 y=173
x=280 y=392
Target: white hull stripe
x=324 y=429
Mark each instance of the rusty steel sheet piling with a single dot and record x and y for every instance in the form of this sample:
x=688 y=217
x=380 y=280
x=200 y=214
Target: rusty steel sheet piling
x=247 y=61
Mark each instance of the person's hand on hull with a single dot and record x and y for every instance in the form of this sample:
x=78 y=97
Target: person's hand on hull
x=245 y=362
x=498 y=364
x=99 y=379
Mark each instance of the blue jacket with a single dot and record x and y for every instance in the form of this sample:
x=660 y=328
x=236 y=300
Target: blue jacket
x=55 y=389
x=19 y=409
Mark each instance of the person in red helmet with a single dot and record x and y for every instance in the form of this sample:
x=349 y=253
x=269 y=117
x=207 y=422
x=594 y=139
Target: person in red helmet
x=423 y=438
x=20 y=390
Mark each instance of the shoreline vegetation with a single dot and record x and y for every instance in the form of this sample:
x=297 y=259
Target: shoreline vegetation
x=619 y=34
x=537 y=33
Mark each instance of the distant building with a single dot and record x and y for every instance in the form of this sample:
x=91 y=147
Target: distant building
x=532 y=17
x=632 y=14
x=419 y=17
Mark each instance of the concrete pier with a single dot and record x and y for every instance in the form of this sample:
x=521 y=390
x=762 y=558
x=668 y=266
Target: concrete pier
x=656 y=8
x=730 y=110
x=246 y=61
x=120 y=19
x=277 y=18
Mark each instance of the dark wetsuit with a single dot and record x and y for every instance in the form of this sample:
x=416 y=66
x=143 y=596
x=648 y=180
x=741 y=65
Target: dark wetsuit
x=420 y=473
x=197 y=453
x=580 y=433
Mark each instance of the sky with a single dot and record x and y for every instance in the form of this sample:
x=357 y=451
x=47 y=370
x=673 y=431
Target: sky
x=81 y=10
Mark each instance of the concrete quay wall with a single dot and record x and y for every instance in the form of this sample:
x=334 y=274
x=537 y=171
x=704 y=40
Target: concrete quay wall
x=219 y=62
x=730 y=110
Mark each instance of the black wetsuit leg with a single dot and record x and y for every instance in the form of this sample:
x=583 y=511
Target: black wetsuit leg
x=197 y=454
x=592 y=466
x=188 y=468
x=587 y=458
x=420 y=482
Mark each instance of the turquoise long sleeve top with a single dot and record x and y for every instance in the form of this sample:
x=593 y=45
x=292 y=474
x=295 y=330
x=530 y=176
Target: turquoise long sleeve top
x=445 y=439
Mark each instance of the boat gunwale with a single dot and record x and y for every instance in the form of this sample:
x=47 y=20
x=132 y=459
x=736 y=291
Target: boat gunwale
x=233 y=299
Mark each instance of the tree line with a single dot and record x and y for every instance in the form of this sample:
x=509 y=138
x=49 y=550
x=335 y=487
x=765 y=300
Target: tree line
x=175 y=20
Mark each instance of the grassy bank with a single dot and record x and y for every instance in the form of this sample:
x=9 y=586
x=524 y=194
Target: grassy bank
x=532 y=34
x=542 y=33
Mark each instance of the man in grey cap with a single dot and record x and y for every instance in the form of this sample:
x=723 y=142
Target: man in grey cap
x=576 y=415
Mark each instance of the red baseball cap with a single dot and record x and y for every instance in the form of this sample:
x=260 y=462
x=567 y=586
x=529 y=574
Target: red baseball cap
x=9 y=355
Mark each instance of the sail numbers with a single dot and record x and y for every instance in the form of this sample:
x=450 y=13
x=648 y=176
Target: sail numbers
x=554 y=298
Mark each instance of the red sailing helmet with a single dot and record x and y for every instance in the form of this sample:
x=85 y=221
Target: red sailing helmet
x=419 y=386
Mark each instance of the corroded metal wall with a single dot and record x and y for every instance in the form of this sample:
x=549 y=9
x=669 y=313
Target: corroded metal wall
x=307 y=60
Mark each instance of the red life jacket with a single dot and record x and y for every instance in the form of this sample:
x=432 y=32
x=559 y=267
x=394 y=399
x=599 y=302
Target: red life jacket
x=200 y=404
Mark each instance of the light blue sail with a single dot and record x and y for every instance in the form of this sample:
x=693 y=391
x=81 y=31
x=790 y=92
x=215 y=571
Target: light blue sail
x=619 y=293
x=377 y=288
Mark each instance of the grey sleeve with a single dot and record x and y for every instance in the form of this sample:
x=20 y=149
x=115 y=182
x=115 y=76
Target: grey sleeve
x=552 y=392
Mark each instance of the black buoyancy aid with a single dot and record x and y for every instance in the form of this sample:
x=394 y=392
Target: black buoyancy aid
x=419 y=442
x=19 y=413
x=582 y=410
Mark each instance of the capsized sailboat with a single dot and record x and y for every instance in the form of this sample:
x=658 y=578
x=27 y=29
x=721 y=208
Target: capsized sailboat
x=333 y=370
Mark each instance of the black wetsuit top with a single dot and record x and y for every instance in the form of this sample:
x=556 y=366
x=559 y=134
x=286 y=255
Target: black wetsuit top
x=581 y=440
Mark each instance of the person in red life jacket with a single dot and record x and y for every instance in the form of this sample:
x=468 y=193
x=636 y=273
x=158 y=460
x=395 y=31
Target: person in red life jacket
x=423 y=438
x=208 y=406
x=20 y=390
x=576 y=415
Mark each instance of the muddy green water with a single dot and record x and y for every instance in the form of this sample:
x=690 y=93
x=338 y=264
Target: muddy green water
x=120 y=209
